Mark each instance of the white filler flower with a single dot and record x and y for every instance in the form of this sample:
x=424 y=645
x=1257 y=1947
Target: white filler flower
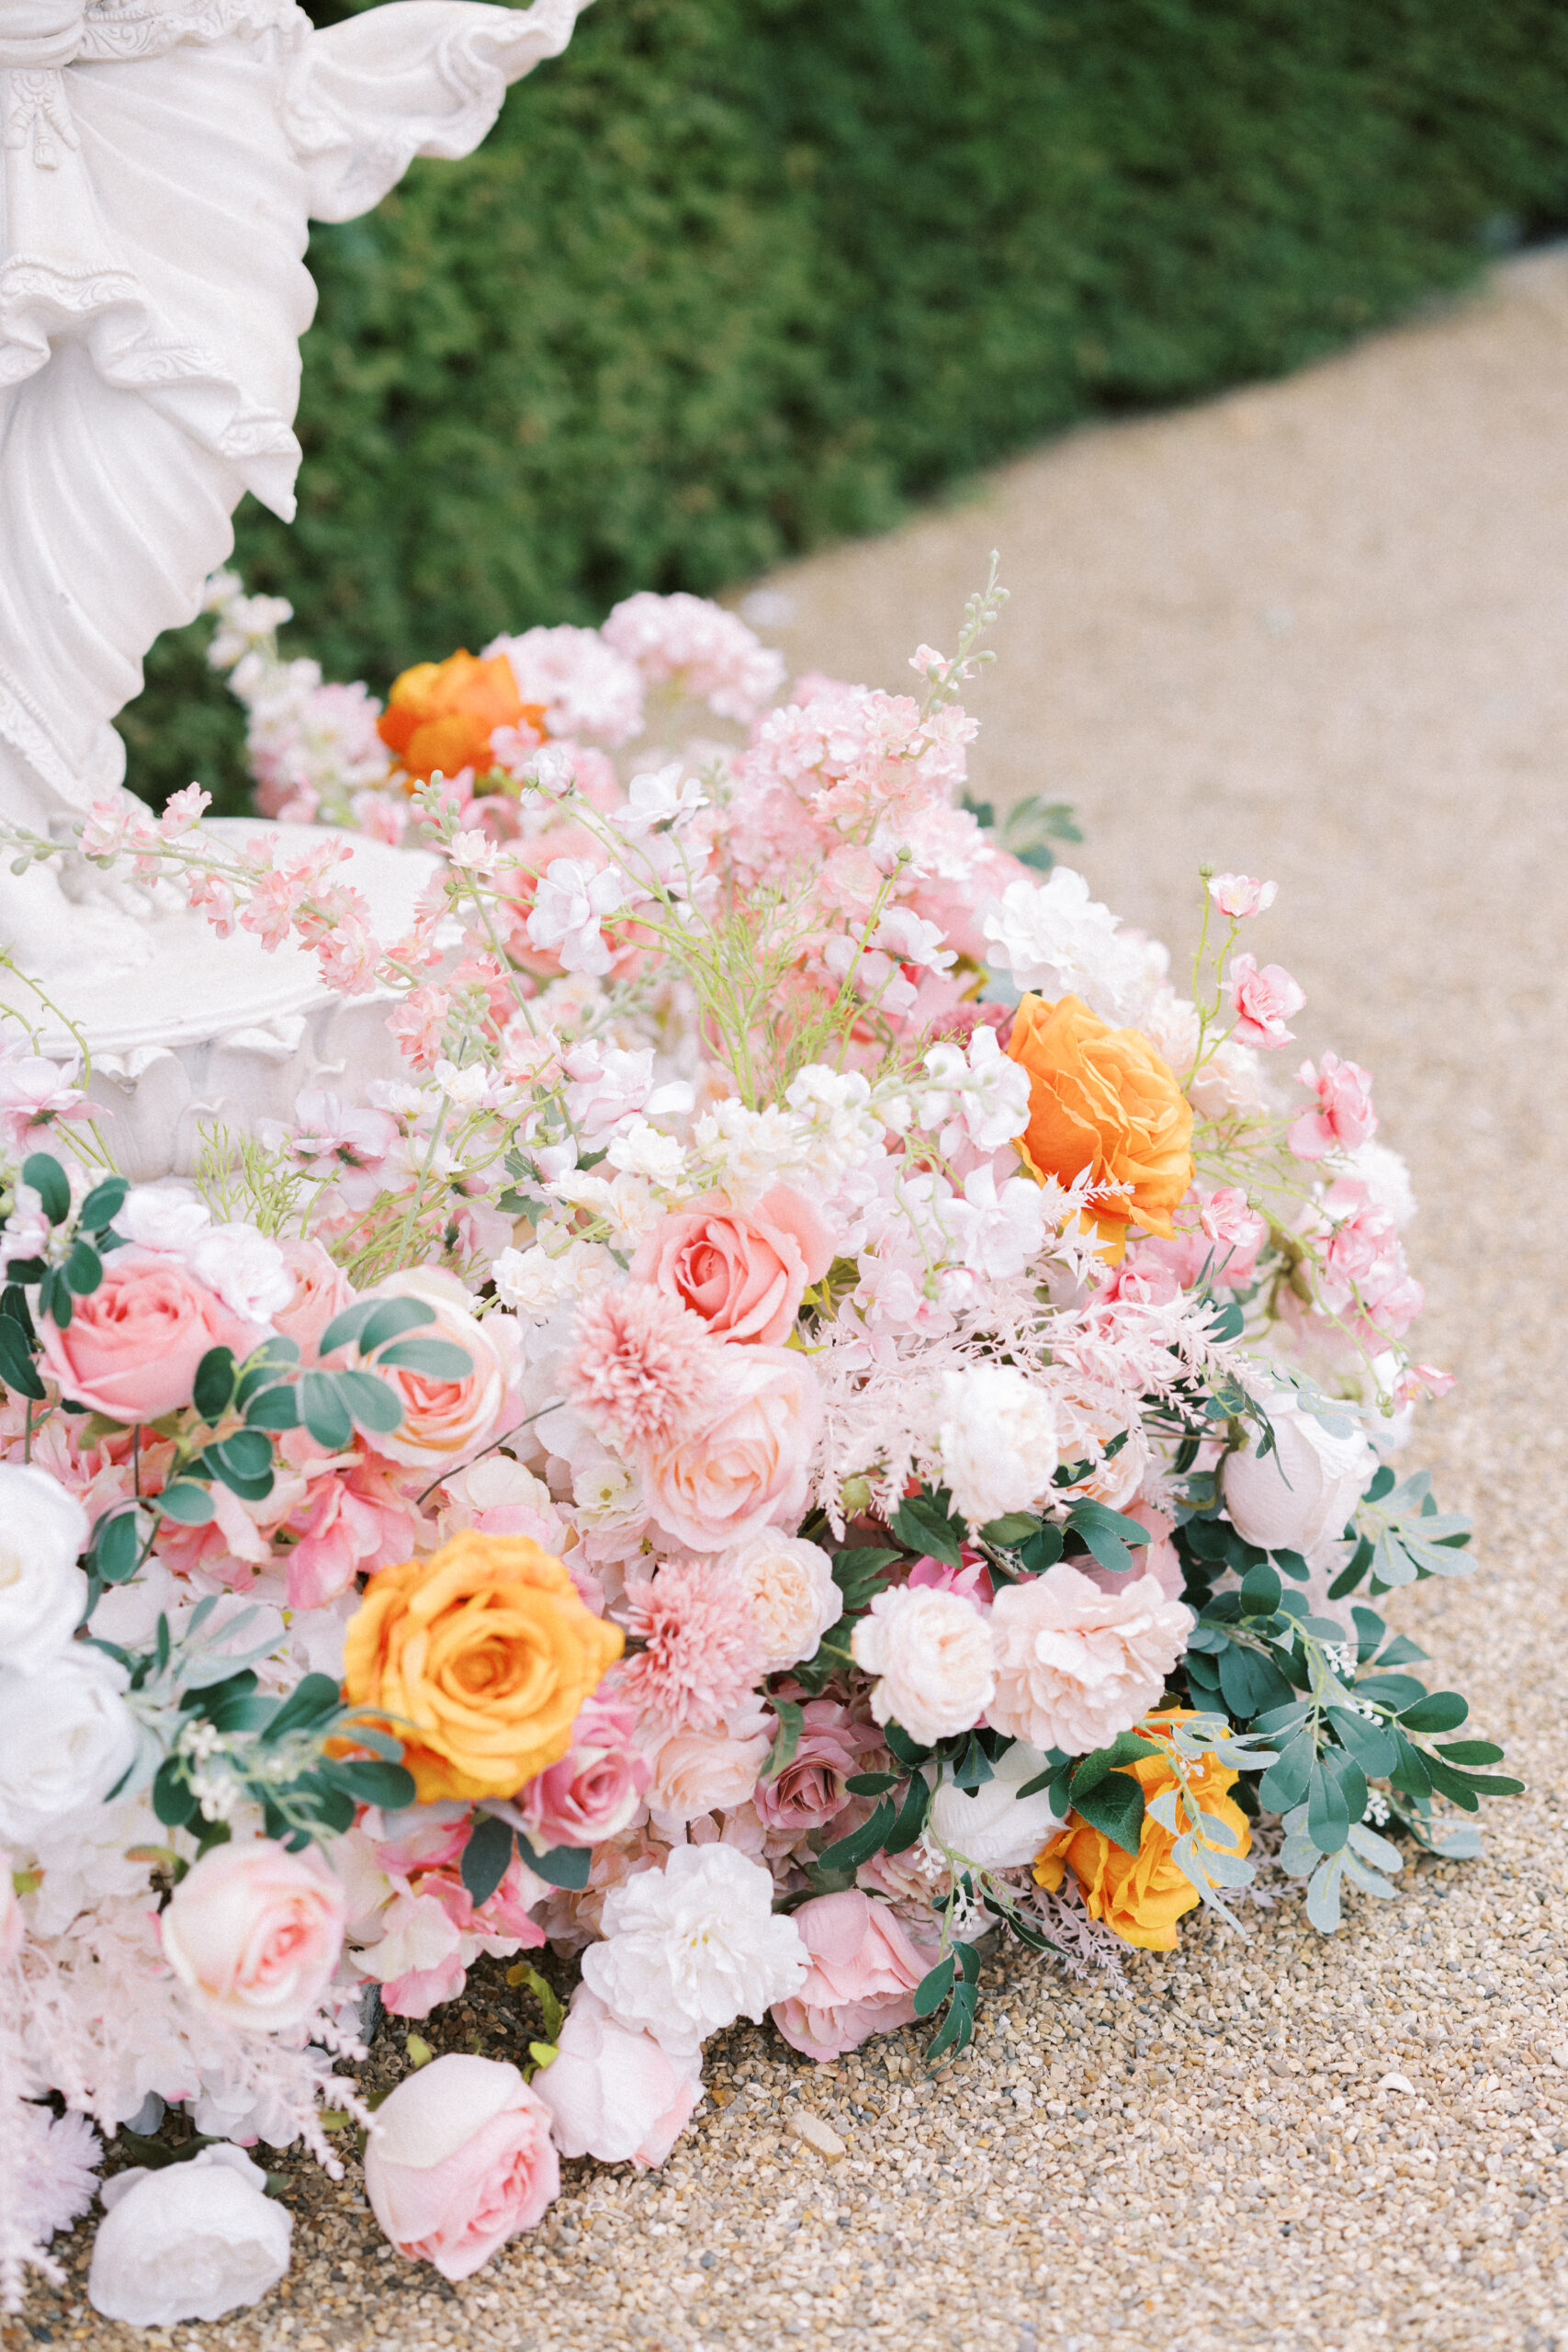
x=689 y=1948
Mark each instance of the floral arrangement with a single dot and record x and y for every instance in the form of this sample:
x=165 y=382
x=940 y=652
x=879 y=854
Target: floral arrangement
x=834 y=1413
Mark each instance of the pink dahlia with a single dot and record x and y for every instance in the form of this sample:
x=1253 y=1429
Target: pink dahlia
x=702 y=1649
x=643 y=1368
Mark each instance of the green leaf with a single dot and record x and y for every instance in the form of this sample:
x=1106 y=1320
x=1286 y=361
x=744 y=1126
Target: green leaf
x=1126 y=1748
x=1456 y=1751
x=432 y=1359
x=247 y=1453
x=1329 y=1816
x=972 y=1766
x=345 y=1327
x=1291 y=1564
x=326 y=1415
x=49 y=1181
x=1352 y=1573
x=790 y=1718
x=545 y=1994
x=1114 y=1807
x=172 y=1799
x=374 y=1405
x=1443 y=1711
x=390 y=1786
x=1261 y=1591
x=190 y=1505
x=1284 y=1784
x=390 y=1317
x=934 y=1986
x=1323 y=1894
x=957 y=2028
x=54 y=1298
x=313 y=1698
x=214 y=1387
x=1251 y=1682
x=1009 y=1531
x=1108 y=1534
x=1372 y=1747
x=923 y=1528
x=1410 y=1774
x=1391 y=1689
x=848 y=1853
x=273 y=1408
x=103 y=1205
x=911 y=1817
x=873 y=1784
x=1043 y=1549
x=485 y=1857
x=860 y=1575
x=84 y=1269
x=16 y=1361
x=117 y=1546
x=563 y=1866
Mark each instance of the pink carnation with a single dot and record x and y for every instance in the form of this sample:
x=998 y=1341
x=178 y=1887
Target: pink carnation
x=1264 y=1001
x=1075 y=1666
x=644 y=1367
x=1344 y=1115
x=702 y=1649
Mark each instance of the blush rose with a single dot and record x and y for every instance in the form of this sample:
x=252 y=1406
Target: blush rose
x=459 y=2160
x=613 y=2093
x=864 y=1971
x=254 y=1934
x=131 y=1348
x=743 y=1271
x=748 y=1467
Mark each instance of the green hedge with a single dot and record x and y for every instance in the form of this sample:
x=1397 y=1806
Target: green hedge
x=734 y=276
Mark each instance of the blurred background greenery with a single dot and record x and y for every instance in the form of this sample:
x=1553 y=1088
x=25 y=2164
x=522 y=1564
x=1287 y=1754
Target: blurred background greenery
x=734 y=276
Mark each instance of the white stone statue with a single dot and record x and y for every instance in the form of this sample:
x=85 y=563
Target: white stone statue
x=162 y=160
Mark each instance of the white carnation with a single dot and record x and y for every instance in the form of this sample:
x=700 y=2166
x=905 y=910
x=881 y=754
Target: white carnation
x=42 y=1591
x=998 y=1441
x=1053 y=937
x=932 y=1652
x=689 y=1948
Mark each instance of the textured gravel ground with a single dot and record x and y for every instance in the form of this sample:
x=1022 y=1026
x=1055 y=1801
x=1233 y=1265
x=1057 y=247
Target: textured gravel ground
x=1318 y=631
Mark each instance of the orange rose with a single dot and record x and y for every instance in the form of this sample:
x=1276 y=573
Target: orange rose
x=487 y=1652
x=1141 y=1897
x=442 y=713
x=1103 y=1098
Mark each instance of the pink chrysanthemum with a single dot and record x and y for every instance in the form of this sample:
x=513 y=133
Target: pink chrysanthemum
x=644 y=1367
x=703 y=1650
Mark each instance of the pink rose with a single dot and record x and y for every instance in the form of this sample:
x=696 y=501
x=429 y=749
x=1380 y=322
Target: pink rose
x=751 y=1464
x=1263 y=1002
x=132 y=1346
x=709 y=1771
x=459 y=2160
x=810 y=1790
x=595 y=1790
x=254 y=1934
x=743 y=1271
x=321 y=1291
x=613 y=2093
x=1075 y=1666
x=443 y=1419
x=862 y=1978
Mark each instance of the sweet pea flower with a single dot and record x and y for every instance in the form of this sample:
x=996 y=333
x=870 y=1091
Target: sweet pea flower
x=1263 y=1001
x=1239 y=895
x=1344 y=1117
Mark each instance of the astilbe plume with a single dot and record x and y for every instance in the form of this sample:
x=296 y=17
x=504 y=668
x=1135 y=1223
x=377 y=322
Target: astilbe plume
x=703 y=1652
x=644 y=1367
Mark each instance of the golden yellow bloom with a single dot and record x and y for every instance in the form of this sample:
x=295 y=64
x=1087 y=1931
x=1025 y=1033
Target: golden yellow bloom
x=1141 y=1897
x=1103 y=1098
x=486 y=1650
x=442 y=713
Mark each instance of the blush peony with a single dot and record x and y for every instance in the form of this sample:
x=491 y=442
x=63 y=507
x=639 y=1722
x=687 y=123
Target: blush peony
x=459 y=2160
x=861 y=1979
x=997 y=1439
x=1075 y=1666
x=933 y=1654
x=788 y=1584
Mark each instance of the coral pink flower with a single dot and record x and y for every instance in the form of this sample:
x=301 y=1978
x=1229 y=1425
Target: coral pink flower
x=863 y=1976
x=743 y=1271
x=254 y=1934
x=751 y=1464
x=644 y=1368
x=355 y=1516
x=702 y=1647
x=1264 y=1000
x=321 y=1291
x=1344 y=1115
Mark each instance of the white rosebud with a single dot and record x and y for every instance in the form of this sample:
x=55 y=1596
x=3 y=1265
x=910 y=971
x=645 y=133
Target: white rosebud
x=1298 y=1496
x=191 y=2241
x=996 y=1829
x=43 y=1530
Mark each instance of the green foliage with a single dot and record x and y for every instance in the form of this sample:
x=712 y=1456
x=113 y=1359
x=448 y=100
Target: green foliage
x=734 y=276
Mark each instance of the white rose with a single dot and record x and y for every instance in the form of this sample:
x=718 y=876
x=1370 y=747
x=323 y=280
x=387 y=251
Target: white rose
x=191 y=2241
x=998 y=1441
x=996 y=1829
x=42 y=1591
x=1298 y=1496
x=790 y=1586
x=689 y=1948
x=932 y=1652
x=66 y=1736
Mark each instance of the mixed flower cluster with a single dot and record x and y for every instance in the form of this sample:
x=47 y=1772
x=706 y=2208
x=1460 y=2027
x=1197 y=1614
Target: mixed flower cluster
x=834 y=1413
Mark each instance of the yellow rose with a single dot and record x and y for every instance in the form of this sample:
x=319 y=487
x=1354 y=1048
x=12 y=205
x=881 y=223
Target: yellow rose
x=487 y=1652
x=1141 y=1897
x=1103 y=1098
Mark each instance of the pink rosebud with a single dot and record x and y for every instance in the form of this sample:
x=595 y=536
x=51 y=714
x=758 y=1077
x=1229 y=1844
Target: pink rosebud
x=1239 y=895
x=595 y=1790
x=459 y=2160
x=863 y=1976
x=1344 y=1115
x=612 y=2092
x=1264 y=1000
x=254 y=1934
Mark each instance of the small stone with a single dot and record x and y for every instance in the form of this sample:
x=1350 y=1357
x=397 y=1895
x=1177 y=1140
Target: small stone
x=1559 y=2055
x=1397 y=2082
x=817 y=2135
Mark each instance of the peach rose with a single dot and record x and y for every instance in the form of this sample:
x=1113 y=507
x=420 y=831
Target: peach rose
x=254 y=1934
x=743 y=1271
x=443 y=1419
x=131 y=1348
x=709 y=1771
x=460 y=2159
x=1141 y=1897
x=322 y=1290
x=486 y=1651
x=750 y=1466
x=863 y=1977
x=1103 y=1098
x=443 y=714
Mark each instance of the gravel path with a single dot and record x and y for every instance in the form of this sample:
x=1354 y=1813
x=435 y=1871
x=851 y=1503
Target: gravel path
x=1318 y=631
